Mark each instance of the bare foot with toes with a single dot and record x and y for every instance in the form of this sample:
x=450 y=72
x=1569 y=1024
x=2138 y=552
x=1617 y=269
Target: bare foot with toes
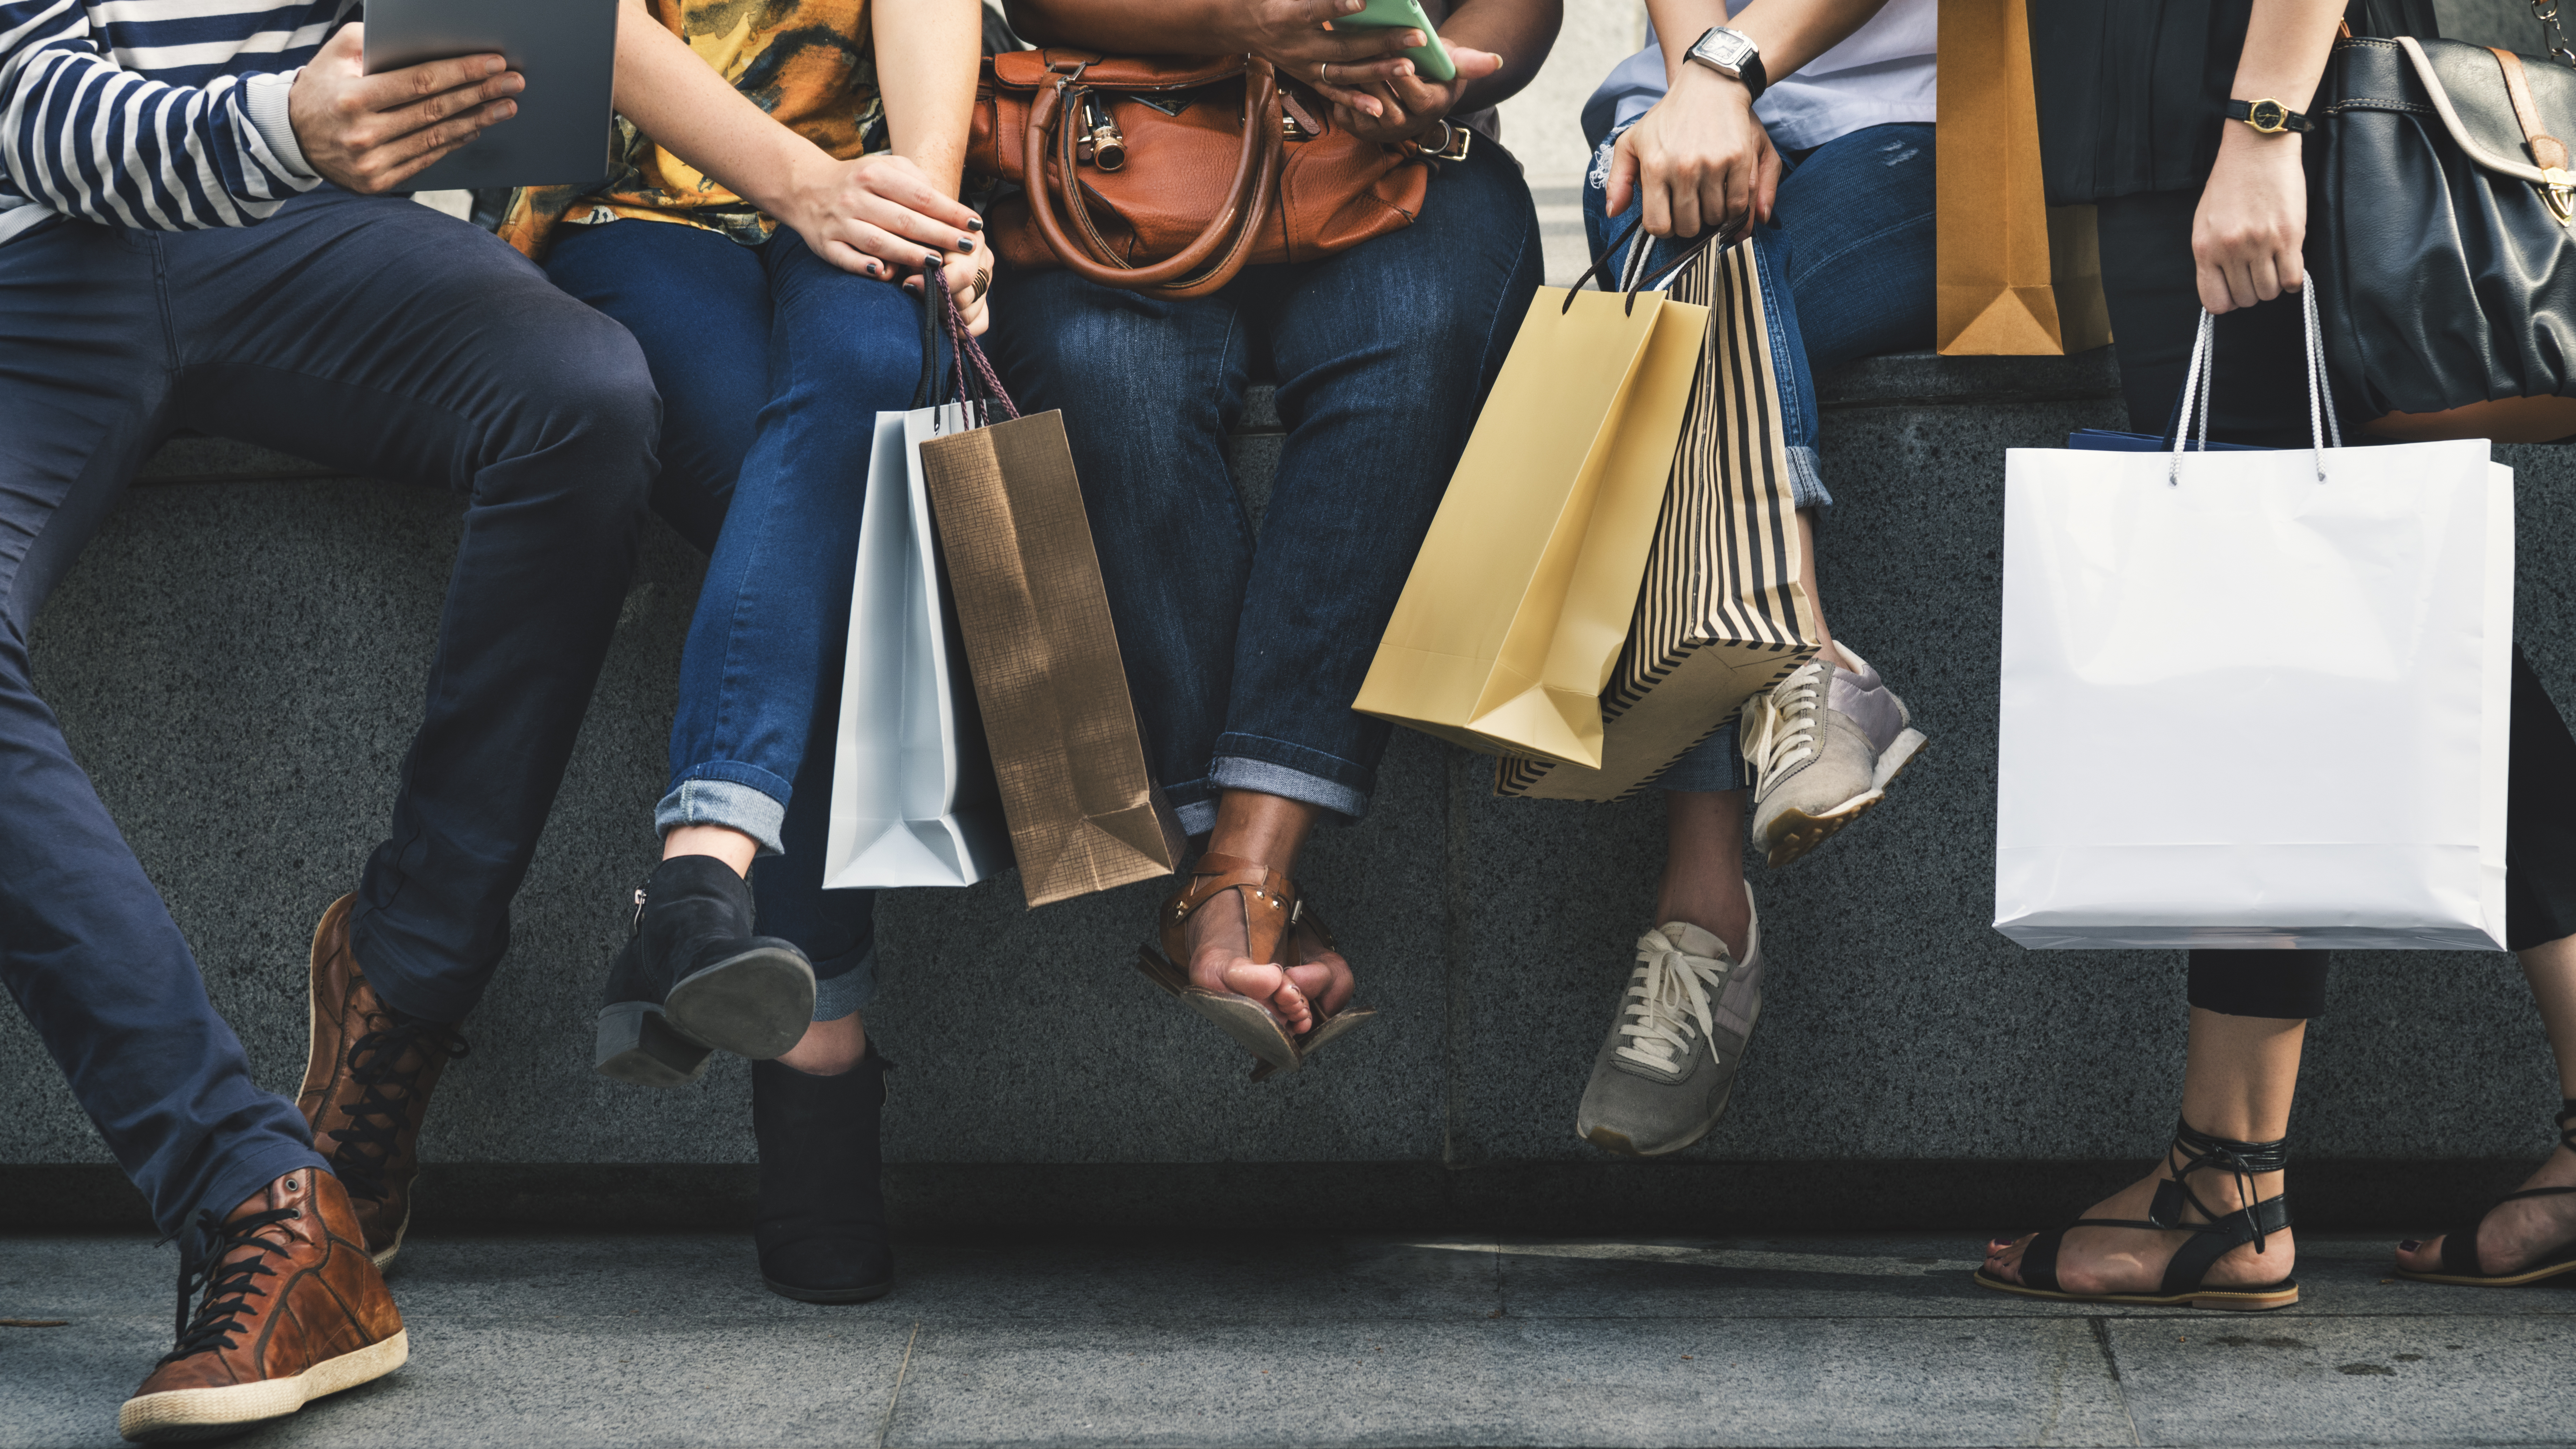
x=2513 y=1234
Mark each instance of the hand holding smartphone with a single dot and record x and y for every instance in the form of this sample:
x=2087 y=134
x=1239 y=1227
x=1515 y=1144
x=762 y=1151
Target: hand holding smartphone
x=1432 y=60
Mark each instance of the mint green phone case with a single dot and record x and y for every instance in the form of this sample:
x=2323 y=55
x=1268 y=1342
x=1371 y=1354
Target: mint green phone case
x=1432 y=60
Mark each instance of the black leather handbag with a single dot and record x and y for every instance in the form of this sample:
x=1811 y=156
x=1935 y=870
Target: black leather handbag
x=2440 y=238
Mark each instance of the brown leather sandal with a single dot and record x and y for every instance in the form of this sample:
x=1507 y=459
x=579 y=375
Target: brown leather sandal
x=1273 y=912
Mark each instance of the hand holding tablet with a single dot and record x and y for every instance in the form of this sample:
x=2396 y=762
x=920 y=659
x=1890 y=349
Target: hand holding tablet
x=559 y=124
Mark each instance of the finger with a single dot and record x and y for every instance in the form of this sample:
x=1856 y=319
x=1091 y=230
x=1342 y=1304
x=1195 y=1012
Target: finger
x=393 y=89
x=386 y=127
x=2240 y=284
x=2291 y=268
x=1350 y=74
x=894 y=255
x=1622 y=181
x=1659 y=207
x=919 y=232
x=847 y=257
x=898 y=180
x=1356 y=102
x=2211 y=281
x=2264 y=277
x=1474 y=64
x=1766 y=182
x=1417 y=96
x=385 y=168
x=1730 y=193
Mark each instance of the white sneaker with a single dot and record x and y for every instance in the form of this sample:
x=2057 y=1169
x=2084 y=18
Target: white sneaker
x=1824 y=744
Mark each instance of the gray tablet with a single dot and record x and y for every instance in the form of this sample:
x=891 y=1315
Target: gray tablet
x=566 y=48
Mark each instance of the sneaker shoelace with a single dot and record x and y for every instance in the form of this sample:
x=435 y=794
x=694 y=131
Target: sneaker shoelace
x=206 y=1259
x=366 y=1148
x=1780 y=727
x=1670 y=990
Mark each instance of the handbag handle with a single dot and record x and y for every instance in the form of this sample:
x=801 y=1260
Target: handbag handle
x=2322 y=424
x=1237 y=222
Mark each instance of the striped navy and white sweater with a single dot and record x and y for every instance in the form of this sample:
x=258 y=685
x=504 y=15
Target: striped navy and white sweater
x=163 y=114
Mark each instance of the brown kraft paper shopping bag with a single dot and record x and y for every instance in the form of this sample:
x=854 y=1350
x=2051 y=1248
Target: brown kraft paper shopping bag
x=1724 y=611
x=1084 y=815
x=2014 y=275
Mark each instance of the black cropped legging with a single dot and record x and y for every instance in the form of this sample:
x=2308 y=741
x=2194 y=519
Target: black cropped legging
x=2258 y=395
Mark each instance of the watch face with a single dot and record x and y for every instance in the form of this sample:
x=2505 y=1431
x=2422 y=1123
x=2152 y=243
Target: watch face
x=1726 y=49
x=2267 y=115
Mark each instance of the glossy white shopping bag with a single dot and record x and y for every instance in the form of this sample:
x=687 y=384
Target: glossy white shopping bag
x=913 y=798
x=2247 y=706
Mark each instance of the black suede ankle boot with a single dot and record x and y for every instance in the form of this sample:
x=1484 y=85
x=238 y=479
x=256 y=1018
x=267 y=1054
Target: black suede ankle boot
x=722 y=985
x=821 y=1231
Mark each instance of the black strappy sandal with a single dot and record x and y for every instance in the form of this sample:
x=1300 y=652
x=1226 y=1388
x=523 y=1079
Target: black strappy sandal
x=2460 y=1250
x=2210 y=1241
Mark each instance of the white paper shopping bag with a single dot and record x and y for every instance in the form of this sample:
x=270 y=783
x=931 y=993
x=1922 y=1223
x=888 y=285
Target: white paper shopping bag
x=2246 y=705
x=913 y=799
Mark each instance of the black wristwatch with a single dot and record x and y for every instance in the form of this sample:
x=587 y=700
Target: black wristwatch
x=2269 y=117
x=1732 y=54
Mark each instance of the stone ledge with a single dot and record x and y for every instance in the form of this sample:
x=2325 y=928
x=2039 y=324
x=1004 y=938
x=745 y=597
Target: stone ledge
x=1908 y=379
x=930 y=1200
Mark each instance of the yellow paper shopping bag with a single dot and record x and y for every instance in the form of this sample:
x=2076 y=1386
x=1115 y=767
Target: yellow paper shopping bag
x=1519 y=602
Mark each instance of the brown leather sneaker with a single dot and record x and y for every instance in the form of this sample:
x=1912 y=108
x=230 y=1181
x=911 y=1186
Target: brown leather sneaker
x=367 y=1080
x=292 y=1310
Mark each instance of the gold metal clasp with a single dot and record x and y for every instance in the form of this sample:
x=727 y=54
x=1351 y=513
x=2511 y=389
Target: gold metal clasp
x=1105 y=146
x=2558 y=190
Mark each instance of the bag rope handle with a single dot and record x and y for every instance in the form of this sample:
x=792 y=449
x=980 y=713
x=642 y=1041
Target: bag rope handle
x=2324 y=429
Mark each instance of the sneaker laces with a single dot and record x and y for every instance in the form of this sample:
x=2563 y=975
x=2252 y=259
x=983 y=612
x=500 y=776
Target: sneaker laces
x=1780 y=726
x=366 y=1148
x=1670 y=989
x=206 y=1258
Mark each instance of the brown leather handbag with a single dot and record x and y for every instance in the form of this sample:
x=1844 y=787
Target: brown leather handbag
x=1170 y=174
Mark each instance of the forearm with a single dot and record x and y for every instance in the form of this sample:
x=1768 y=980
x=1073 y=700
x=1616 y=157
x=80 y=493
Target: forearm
x=1789 y=33
x=928 y=53
x=1520 y=31
x=88 y=138
x=2287 y=44
x=690 y=110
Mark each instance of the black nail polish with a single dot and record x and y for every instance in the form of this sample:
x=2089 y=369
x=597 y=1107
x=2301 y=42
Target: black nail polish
x=2410 y=1245
x=976 y=225
x=965 y=244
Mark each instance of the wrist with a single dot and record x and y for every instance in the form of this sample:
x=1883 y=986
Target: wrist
x=1697 y=85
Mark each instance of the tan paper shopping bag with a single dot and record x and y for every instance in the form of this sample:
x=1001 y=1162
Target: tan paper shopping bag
x=1084 y=815
x=2013 y=274
x=1724 y=611
x=1518 y=603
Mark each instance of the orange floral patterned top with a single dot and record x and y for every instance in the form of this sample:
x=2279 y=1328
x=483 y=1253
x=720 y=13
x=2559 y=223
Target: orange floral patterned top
x=808 y=63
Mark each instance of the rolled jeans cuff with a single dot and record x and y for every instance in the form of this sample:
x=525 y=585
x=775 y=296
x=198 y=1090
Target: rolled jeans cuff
x=1806 y=484
x=735 y=796
x=1234 y=772
x=1712 y=764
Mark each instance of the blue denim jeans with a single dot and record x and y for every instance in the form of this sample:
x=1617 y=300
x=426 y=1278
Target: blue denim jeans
x=1244 y=653
x=1847 y=268
x=387 y=341
x=774 y=364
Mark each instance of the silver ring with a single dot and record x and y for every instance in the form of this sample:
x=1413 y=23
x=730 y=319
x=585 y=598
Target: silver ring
x=1324 y=72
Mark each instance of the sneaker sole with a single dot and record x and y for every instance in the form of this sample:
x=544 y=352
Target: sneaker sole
x=180 y=1415
x=866 y=1294
x=1795 y=832
x=638 y=1045
x=755 y=1005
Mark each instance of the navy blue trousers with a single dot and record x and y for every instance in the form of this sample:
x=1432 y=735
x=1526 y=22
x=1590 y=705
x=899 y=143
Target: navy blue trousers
x=379 y=337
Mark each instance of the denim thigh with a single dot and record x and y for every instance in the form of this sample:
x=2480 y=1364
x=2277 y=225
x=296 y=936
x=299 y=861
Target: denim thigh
x=1149 y=388
x=702 y=307
x=1384 y=354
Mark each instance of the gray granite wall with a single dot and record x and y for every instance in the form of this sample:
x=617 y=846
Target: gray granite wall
x=239 y=664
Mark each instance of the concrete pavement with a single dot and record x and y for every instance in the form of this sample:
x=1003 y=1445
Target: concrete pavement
x=668 y=1340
